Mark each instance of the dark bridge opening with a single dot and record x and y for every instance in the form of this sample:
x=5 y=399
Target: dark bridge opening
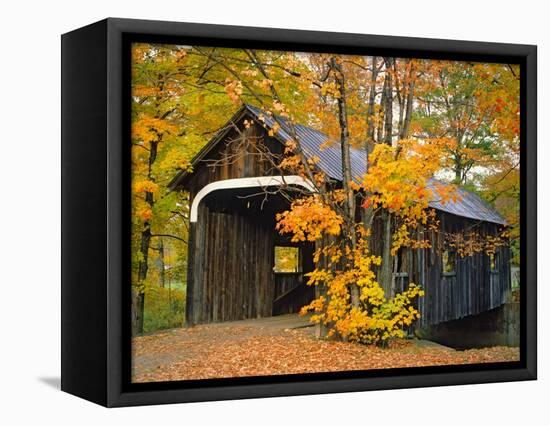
x=291 y=263
x=233 y=248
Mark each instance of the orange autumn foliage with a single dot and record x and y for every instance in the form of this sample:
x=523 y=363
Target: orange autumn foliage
x=399 y=181
x=377 y=319
x=308 y=219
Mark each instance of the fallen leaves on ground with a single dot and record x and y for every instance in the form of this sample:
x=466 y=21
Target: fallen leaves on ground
x=216 y=351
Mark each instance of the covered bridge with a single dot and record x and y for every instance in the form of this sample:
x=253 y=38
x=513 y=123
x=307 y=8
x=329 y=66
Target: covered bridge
x=235 y=253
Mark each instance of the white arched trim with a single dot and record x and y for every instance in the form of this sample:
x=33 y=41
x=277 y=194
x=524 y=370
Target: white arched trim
x=251 y=182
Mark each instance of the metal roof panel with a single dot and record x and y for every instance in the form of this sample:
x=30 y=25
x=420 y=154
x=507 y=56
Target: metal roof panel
x=313 y=143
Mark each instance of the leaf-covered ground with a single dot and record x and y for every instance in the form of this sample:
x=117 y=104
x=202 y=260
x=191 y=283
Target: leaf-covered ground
x=273 y=346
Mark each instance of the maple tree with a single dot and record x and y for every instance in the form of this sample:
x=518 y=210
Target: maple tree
x=476 y=105
x=397 y=182
x=168 y=129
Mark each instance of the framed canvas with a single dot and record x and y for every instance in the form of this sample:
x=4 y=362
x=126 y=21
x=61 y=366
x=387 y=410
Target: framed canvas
x=254 y=212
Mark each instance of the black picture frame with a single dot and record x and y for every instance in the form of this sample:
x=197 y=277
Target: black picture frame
x=96 y=198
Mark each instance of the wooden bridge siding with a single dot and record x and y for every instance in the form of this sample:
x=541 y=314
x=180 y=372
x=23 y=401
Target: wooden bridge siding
x=302 y=296
x=471 y=290
x=230 y=275
x=230 y=256
x=293 y=285
x=285 y=281
x=244 y=164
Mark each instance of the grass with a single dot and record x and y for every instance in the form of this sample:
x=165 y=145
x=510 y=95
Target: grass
x=164 y=308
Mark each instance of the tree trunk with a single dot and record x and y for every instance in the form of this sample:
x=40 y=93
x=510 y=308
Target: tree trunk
x=388 y=107
x=138 y=303
x=346 y=167
x=458 y=165
x=400 y=93
x=143 y=266
x=321 y=330
x=139 y=297
x=386 y=268
x=409 y=104
x=370 y=112
x=368 y=212
x=162 y=274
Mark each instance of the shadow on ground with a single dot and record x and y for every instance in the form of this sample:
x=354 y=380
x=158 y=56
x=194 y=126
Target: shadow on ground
x=54 y=382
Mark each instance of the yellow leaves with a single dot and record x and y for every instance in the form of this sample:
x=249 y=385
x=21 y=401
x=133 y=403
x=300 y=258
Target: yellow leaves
x=279 y=107
x=473 y=242
x=308 y=219
x=317 y=305
x=377 y=318
x=263 y=84
x=143 y=186
x=290 y=163
x=144 y=213
x=445 y=193
x=145 y=91
x=329 y=88
x=181 y=53
x=234 y=89
x=139 y=52
x=399 y=180
x=151 y=129
x=318 y=276
x=497 y=97
x=274 y=129
x=250 y=72
x=176 y=159
x=373 y=294
x=313 y=160
x=401 y=238
x=356 y=320
x=290 y=146
x=326 y=144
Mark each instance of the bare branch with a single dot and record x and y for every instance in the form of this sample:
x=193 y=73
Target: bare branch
x=169 y=236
